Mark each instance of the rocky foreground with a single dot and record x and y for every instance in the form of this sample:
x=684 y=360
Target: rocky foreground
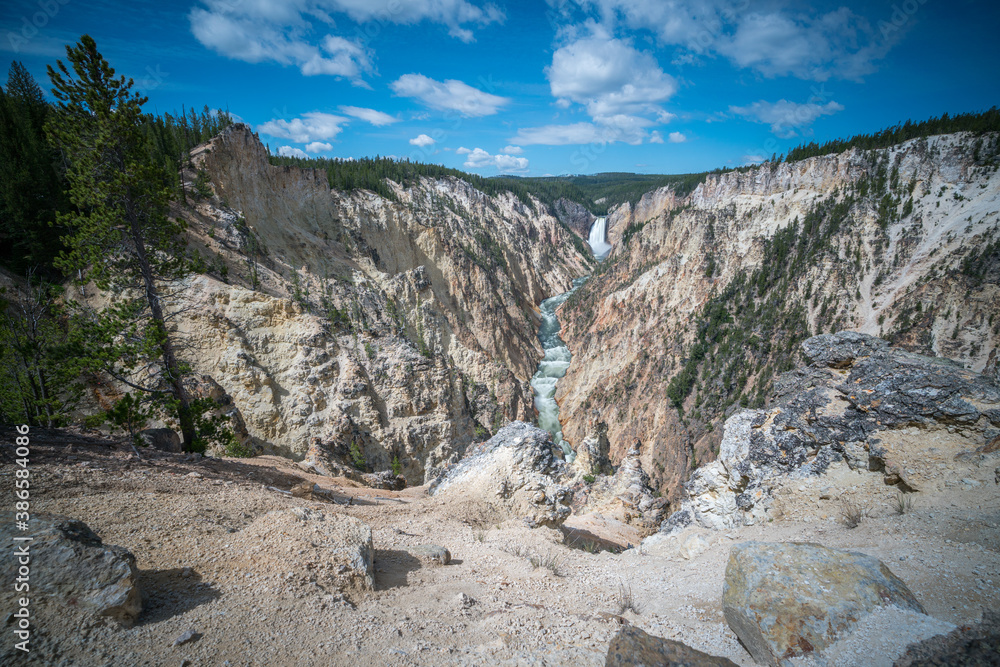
x=853 y=551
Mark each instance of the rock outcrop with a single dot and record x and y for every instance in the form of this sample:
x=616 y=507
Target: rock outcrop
x=70 y=565
x=844 y=407
x=517 y=470
x=632 y=647
x=706 y=297
x=161 y=439
x=795 y=599
x=626 y=495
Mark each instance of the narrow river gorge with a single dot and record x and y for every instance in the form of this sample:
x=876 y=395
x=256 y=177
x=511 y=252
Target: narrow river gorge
x=557 y=358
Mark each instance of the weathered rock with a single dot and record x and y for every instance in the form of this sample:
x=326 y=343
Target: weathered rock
x=627 y=495
x=464 y=602
x=517 y=470
x=332 y=550
x=977 y=645
x=161 y=439
x=186 y=637
x=430 y=553
x=793 y=599
x=70 y=565
x=384 y=479
x=592 y=454
x=631 y=647
x=856 y=388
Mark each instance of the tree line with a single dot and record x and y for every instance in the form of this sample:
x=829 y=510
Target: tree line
x=978 y=123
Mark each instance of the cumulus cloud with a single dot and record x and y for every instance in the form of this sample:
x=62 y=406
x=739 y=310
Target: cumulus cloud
x=608 y=76
x=422 y=140
x=512 y=150
x=376 y=118
x=312 y=126
x=784 y=117
x=285 y=32
x=677 y=138
x=776 y=39
x=448 y=95
x=318 y=147
x=291 y=151
x=478 y=159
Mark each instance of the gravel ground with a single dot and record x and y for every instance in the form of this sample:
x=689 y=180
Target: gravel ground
x=537 y=601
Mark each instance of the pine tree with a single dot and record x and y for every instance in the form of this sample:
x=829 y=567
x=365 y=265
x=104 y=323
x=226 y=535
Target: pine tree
x=120 y=235
x=30 y=188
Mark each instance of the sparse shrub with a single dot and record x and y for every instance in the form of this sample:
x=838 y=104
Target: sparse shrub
x=357 y=457
x=625 y=600
x=479 y=535
x=397 y=466
x=853 y=511
x=904 y=503
x=589 y=479
x=370 y=350
x=549 y=561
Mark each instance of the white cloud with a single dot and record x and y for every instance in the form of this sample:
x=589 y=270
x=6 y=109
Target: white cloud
x=604 y=130
x=786 y=117
x=774 y=39
x=655 y=137
x=291 y=151
x=318 y=147
x=478 y=159
x=313 y=126
x=238 y=31
x=266 y=31
x=462 y=150
x=608 y=76
x=422 y=140
x=677 y=138
x=448 y=95
x=513 y=150
x=376 y=118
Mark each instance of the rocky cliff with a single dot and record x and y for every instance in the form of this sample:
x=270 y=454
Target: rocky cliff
x=706 y=298
x=388 y=329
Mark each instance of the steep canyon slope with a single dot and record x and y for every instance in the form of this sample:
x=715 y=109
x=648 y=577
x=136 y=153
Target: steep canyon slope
x=391 y=329
x=706 y=297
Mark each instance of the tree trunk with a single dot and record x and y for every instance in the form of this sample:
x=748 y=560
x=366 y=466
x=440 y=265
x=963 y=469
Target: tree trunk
x=156 y=312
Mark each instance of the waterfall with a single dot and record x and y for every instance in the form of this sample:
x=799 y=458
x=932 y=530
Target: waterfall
x=598 y=238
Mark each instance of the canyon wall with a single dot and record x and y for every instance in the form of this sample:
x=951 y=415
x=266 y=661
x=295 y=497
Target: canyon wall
x=705 y=298
x=399 y=329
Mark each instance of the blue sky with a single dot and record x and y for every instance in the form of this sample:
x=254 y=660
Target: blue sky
x=534 y=88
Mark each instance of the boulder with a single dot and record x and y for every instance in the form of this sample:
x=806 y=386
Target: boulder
x=516 y=470
x=333 y=551
x=161 y=439
x=792 y=599
x=70 y=565
x=431 y=554
x=632 y=647
x=831 y=411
